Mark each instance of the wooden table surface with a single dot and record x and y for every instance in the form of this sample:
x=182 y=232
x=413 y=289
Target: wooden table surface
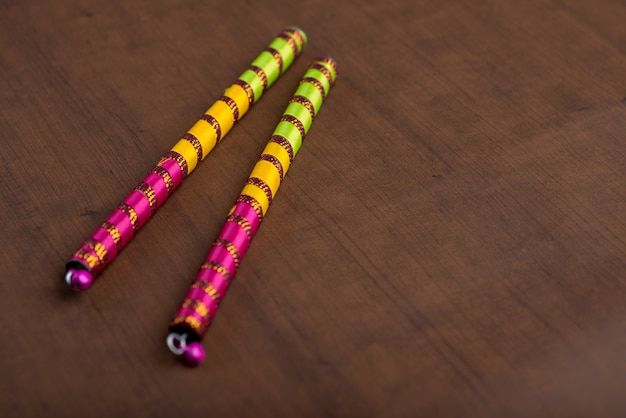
x=449 y=242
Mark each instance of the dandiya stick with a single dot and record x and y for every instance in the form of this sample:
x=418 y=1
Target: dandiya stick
x=201 y=303
x=101 y=248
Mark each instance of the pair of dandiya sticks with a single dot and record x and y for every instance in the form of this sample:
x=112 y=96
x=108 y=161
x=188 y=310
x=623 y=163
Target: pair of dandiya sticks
x=192 y=320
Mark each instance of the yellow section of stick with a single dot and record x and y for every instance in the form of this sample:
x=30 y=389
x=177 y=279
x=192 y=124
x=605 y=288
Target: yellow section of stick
x=223 y=114
x=206 y=135
x=255 y=192
x=188 y=152
x=268 y=173
x=280 y=153
x=238 y=94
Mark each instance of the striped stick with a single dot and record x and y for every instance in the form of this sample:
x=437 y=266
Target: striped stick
x=201 y=303
x=101 y=248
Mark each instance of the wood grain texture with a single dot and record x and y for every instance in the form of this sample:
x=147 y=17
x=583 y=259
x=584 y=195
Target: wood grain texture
x=449 y=242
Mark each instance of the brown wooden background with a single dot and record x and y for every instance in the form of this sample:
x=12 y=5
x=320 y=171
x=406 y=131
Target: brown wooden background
x=449 y=242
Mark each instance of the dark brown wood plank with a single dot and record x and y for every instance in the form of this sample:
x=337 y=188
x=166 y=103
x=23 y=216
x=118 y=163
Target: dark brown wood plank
x=449 y=242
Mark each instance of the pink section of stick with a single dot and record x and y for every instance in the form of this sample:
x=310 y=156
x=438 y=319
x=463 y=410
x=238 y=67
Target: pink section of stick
x=99 y=267
x=123 y=224
x=234 y=233
x=222 y=256
x=140 y=203
x=174 y=170
x=158 y=185
x=202 y=296
x=103 y=237
x=188 y=312
x=217 y=280
x=248 y=212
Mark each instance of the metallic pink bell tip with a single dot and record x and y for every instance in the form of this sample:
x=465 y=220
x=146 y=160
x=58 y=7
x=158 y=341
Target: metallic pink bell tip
x=194 y=354
x=78 y=279
x=191 y=353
